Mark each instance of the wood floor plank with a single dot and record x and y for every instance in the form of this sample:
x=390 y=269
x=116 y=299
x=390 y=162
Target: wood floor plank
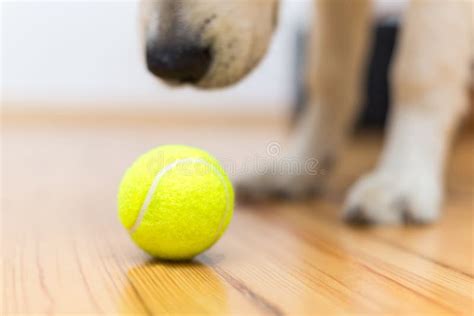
x=445 y=243
x=430 y=281
x=368 y=260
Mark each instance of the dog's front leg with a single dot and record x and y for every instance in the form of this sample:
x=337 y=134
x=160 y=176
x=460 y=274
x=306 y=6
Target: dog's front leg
x=337 y=51
x=430 y=78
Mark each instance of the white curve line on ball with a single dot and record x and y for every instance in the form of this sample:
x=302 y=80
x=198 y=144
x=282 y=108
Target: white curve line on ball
x=156 y=181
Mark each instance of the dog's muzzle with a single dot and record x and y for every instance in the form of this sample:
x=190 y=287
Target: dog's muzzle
x=179 y=63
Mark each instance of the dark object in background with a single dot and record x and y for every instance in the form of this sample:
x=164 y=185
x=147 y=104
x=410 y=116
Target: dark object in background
x=377 y=97
x=377 y=92
x=299 y=75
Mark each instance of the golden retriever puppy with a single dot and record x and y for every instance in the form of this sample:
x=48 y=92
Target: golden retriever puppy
x=215 y=43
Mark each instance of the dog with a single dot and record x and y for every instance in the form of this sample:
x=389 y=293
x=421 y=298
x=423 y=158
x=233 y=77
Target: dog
x=216 y=43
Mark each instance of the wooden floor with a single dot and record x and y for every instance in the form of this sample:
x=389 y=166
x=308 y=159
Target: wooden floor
x=64 y=251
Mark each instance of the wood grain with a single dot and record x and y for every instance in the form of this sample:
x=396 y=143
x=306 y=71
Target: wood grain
x=64 y=251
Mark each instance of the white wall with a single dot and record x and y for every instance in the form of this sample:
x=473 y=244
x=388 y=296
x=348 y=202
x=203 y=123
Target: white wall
x=87 y=53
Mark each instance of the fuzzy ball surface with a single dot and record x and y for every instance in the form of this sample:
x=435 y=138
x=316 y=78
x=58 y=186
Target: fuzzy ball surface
x=175 y=201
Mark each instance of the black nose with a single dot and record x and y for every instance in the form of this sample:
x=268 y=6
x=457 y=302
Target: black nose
x=186 y=64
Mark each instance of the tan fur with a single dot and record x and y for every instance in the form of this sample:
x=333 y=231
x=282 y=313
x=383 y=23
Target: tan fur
x=429 y=78
x=239 y=32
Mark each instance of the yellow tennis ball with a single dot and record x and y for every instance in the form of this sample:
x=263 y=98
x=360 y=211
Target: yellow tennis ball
x=175 y=201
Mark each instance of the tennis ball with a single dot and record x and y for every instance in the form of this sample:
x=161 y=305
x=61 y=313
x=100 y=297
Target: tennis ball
x=175 y=201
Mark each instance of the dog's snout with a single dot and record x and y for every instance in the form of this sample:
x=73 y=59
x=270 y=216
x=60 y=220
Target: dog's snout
x=181 y=63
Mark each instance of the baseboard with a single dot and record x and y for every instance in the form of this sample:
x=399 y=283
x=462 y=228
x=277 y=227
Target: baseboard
x=17 y=114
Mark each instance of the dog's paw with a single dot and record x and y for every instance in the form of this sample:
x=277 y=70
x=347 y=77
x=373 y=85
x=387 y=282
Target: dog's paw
x=267 y=186
x=391 y=198
x=302 y=182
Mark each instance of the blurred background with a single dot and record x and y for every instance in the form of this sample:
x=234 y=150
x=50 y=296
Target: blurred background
x=86 y=55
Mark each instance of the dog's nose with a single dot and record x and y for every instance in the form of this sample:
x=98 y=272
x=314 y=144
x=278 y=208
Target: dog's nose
x=185 y=64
